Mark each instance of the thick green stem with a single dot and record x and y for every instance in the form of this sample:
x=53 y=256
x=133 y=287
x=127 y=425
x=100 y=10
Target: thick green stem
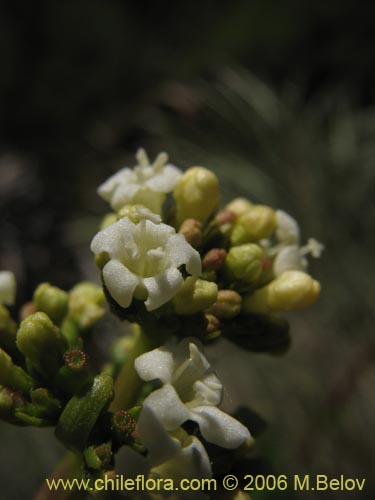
x=128 y=383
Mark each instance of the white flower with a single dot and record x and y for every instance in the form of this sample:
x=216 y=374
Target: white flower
x=191 y=391
x=290 y=256
x=147 y=184
x=168 y=457
x=7 y=288
x=144 y=261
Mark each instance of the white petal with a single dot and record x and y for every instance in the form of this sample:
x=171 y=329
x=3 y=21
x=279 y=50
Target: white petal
x=219 y=428
x=190 y=368
x=115 y=239
x=130 y=463
x=7 y=287
x=191 y=461
x=162 y=288
x=288 y=259
x=208 y=391
x=166 y=180
x=120 y=282
x=287 y=228
x=180 y=252
x=155 y=364
x=123 y=184
x=168 y=408
x=160 y=445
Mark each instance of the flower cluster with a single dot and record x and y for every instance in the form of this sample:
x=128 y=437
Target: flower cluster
x=183 y=273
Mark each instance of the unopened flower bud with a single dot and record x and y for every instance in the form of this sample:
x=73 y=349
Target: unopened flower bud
x=212 y=328
x=8 y=330
x=27 y=309
x=196 y=195
x=227 y=305
x=45 y=403
x=239 y=206
x=192 y=230
x=51 y=300
x=13 y=376
x=86 y=304
x=195 y=295
x=9 y=401
x=256 y=224
x=42 y=343
x=244 y=263
x=214 y=259
x=7 y=288
x=291 y=291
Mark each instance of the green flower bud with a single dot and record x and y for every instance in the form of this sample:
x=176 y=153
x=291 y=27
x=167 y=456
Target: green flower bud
x=196 y=195
x=13 y=376
x=227 y=305
x=239 y=206
x=86 y=304
x=108 y=220
x=244 y=263
x=82 y=411
x=9 y=401
x=256 y=224
x=48 y=405
x=192 y=230
x=42 y=343
x=8 y=331
x=214 y=259
x=71 y=332
x=51 y=300
x=291 y=291
x=194 y=296
x=97 y=457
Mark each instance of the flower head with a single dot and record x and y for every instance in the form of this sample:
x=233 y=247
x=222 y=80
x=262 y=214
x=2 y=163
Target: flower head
x=143 y=261
x=147 y=184
x=192 y=390
x=7 y=287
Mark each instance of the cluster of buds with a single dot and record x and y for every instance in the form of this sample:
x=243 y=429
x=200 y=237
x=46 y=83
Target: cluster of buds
x=183 y=272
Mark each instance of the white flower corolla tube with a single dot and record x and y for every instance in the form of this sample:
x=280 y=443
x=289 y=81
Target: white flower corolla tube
x=144 y=261
x=168 y=456
x=289 y=255
x=7 y=288
x=190 y=391
x=147 y=184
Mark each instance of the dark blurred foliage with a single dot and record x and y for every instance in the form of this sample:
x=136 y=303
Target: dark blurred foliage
x=277 y=98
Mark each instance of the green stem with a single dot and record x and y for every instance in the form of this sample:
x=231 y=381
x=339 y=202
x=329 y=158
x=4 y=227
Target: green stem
x=128 y=383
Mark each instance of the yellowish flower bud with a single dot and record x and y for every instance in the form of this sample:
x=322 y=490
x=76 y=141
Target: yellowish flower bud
x=291 y=291
x=239 y=206
x=192 y=230
x=51 y=300
x=227 y=305
x=86 y=304
x=195 y=295
x=8 y=330
x=257 y=223
x=196 y=195
x=244 y=263
x=213 y=327
x=42 y=343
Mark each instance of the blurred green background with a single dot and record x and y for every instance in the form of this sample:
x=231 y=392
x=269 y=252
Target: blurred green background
x=278 y=99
